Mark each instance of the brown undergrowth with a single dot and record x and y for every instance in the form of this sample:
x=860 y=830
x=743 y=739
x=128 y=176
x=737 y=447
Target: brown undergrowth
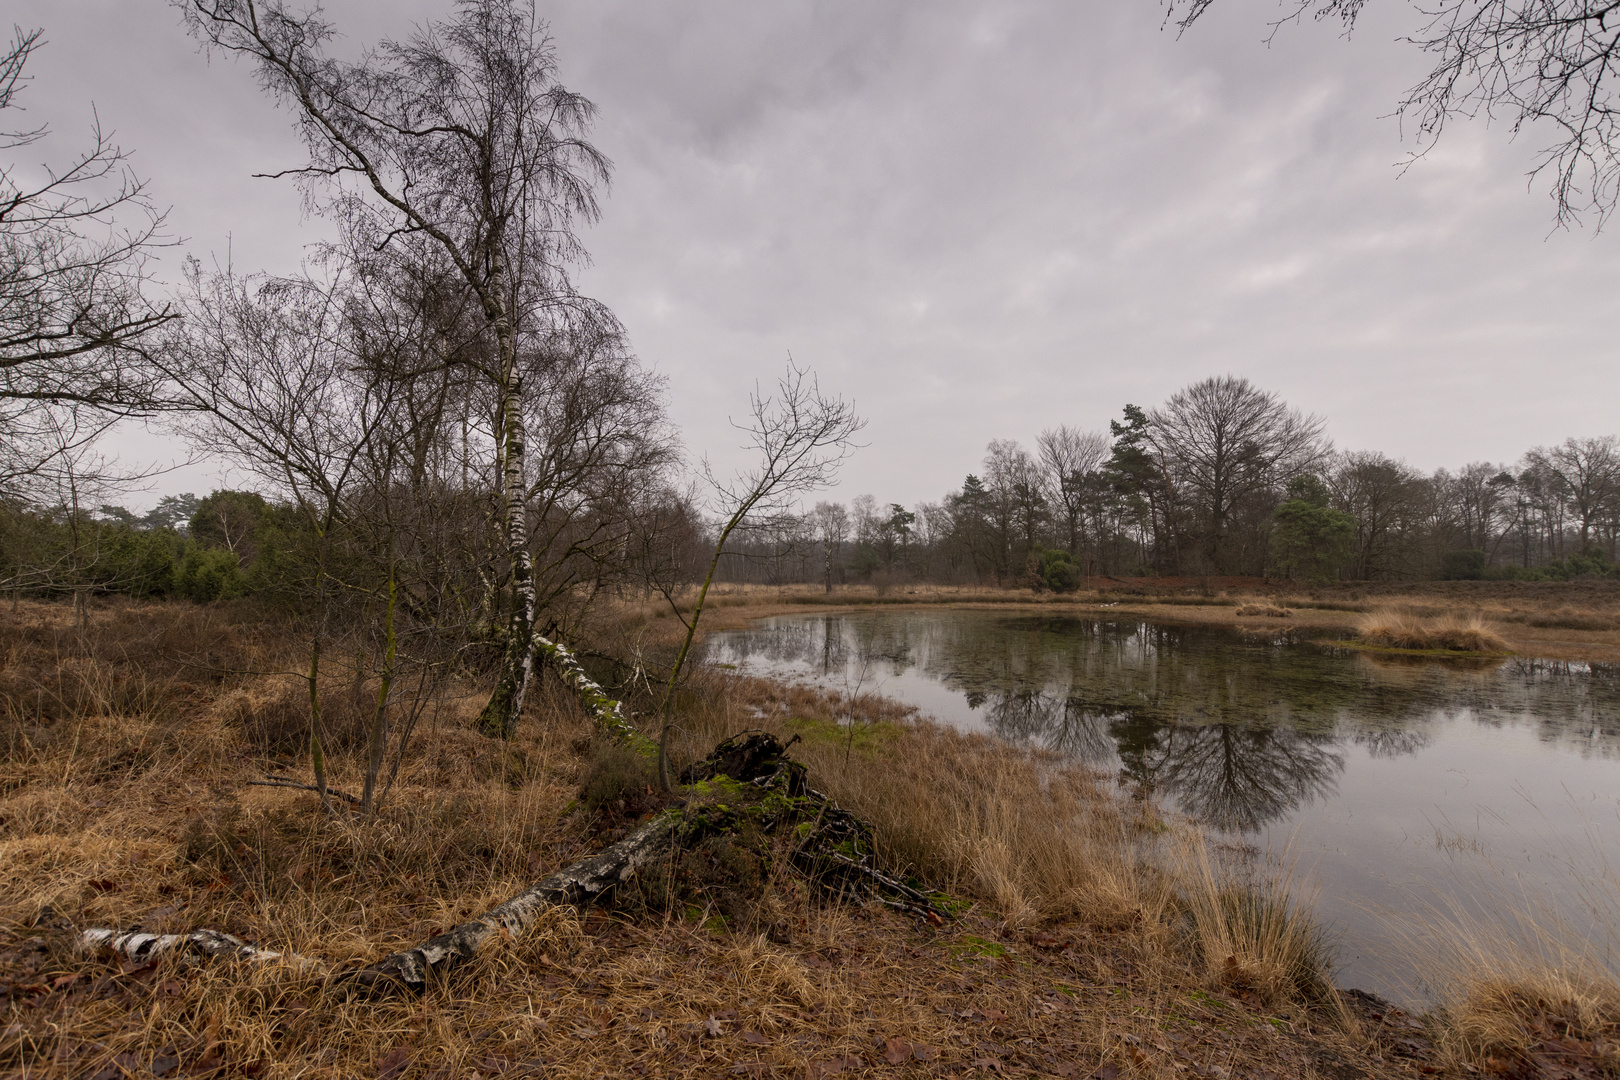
x=125 y=801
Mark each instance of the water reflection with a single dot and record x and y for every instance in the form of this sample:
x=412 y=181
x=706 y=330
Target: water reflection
x=1239 y=731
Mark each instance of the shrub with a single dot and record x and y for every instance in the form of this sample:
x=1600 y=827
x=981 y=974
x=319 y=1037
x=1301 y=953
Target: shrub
x=208 y=574
x=1052 y=569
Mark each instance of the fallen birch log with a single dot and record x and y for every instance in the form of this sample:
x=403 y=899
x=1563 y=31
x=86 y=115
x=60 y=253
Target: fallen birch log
x=834 y=848
x=209 y=944
x=578 y=885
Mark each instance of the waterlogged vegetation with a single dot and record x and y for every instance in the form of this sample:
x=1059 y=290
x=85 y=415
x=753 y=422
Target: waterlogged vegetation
x=1395 y=779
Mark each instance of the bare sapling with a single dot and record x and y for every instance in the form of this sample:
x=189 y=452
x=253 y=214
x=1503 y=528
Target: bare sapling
x=799 y=438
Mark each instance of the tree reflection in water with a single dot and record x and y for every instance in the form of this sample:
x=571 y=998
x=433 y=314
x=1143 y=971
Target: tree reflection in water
x=1237 y=731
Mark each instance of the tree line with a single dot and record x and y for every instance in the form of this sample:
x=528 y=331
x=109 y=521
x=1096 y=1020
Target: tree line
x=1225 y=479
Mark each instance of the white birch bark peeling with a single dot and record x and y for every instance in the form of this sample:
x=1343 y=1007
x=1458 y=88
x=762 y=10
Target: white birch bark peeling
x=605 y=711
x=213 y=944
x=578 y=885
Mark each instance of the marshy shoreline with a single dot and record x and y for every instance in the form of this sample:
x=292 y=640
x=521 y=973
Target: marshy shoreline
x=131 y=744
x=1577 y=621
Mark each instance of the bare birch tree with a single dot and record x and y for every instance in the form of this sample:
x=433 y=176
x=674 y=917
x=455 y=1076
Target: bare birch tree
x=1068 y=457
x=461 y=135
x=1586 y=475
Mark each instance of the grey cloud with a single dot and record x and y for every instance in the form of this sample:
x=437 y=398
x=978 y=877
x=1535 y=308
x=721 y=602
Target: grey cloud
x=983 y=220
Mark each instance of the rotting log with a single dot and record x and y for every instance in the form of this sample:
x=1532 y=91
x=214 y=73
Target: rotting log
x=752 y=780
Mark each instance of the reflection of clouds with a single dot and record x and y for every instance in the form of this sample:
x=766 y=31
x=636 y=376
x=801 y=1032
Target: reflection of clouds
x=1239 y=731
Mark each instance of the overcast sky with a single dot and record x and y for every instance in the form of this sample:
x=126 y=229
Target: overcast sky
x=978 y=220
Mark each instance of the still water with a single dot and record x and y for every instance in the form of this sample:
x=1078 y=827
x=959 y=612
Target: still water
x=1400 y=788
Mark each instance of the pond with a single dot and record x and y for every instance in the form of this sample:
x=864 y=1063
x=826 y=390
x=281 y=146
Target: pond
x=1402 y=787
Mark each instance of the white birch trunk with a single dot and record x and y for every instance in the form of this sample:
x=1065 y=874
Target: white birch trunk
x=500 y=716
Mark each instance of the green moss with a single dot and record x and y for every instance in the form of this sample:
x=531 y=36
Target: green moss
x=718 y=788
x=971 y=945
x=865 y=738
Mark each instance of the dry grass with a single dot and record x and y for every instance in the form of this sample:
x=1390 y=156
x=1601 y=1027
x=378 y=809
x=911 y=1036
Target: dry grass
x=1038 y=838
x=1530 y=987
x=123 y=802
x=1253 y=928
x=1565 y=618
x=1454 y=633
x=1269 y=611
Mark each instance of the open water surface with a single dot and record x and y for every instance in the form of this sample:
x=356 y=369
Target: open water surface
x=1402 y=788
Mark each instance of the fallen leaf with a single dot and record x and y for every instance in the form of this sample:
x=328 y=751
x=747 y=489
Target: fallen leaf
x=1107 y=1072
x=897 y=1051
x=165 y=1062
x=1063 y=1069
x=924 y=1053
x=712 y=1026
x=754 y=1038
x=394 y=1063
x=987 y=1063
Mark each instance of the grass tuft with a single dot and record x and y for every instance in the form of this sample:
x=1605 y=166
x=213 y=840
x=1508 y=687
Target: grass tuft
x=1453 y=633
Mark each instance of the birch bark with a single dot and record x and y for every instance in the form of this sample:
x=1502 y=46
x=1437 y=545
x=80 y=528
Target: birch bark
x=500 y=716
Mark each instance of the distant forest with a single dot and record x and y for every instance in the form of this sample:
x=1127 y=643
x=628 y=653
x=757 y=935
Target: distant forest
x=1222 y=479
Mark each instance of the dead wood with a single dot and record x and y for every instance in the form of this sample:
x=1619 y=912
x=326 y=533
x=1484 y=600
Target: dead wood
x=206 y=944
x=578 y=885
x=606 y=712
x=761 y=786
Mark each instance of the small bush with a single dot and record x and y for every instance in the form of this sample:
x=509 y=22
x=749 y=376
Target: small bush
x=1268 y=611
x=1052 y=569
x=617 y=781
x=1462 y=565
x=208 y=574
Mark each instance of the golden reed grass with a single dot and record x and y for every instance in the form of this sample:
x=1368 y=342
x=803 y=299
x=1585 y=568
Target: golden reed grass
x=1454 y=632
